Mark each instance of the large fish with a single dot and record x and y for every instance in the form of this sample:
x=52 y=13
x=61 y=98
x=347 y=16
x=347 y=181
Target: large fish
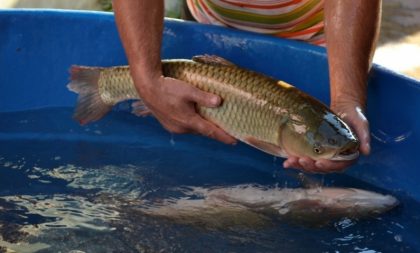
x=255 y=205
x=268 y=114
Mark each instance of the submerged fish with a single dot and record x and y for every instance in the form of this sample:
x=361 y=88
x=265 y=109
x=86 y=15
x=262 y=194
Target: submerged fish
x=254 y=205
x=268 y=114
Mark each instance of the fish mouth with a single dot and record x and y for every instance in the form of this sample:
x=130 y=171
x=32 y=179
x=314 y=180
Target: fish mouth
x=346 y=155
x=349 y=152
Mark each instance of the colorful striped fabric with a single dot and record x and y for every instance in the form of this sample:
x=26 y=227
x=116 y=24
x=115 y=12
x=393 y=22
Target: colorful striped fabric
x=292 y=19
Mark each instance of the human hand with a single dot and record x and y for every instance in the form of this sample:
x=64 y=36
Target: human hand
x=352 y=114
x=173 y=103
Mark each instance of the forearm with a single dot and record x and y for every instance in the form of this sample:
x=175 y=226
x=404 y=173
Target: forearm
x=140 y=25
x=351 y=34
x=172 y=101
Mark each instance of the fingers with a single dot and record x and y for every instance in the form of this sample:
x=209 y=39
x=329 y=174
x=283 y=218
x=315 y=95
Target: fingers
x=326 y=166
x=292 y=162
x=362 y=131
x=303 y=163
x=184 y=91
x=210 y=130
x=321 y=166
x=200 y=126
x=354 y=116
x=203 y=98
x=358 y=122
x=177 y=112
x=307 y=164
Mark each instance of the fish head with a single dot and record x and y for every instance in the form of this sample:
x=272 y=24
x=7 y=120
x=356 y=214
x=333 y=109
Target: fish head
x=354 y=202
x=320 y=137
x=320 y=206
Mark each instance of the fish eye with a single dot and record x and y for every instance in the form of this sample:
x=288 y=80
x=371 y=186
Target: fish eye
x=332 y=141
x=318 y=149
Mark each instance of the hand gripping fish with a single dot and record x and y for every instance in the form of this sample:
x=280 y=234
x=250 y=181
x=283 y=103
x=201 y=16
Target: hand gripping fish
x=256 y=205
x=268 y=114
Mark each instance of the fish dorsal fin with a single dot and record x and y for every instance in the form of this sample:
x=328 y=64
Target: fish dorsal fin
x=212 y=60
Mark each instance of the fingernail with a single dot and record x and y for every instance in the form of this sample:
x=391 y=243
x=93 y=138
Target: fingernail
x=303 y=163
x=367 y=147
x=286 y=165
x=215 y=100
x=319 y=165
x=365 y=136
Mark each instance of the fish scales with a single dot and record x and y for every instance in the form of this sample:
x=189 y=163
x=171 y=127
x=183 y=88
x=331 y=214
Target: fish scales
x=242 y=92
x=246 y=111
x=116 y=85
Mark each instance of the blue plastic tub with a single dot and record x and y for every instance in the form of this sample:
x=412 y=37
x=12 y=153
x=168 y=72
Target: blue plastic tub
x=37 y=49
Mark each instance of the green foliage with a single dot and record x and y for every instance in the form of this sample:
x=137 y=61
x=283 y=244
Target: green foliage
x=173 y=8
x=106 y=5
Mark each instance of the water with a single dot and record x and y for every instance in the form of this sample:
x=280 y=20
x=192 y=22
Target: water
x=66 y=188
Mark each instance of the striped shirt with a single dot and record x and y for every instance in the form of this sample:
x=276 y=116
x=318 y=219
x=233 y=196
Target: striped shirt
x=291 y=19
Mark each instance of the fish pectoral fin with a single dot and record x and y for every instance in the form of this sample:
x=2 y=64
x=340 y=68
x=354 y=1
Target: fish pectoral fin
x=138 y=108
x=301 y=208
x=266 y=147
x=212 y=60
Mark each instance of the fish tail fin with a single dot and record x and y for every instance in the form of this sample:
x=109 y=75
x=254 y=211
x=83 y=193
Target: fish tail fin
x=90 y=106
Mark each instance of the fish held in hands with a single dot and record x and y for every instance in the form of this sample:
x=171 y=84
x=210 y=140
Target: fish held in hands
x=265 y=113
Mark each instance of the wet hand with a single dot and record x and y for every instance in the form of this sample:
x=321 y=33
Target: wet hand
x=173 y=103
x=352 y=114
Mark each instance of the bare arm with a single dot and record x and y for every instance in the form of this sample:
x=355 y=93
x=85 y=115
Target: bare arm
x=352 y=28
x=140 y=25
x=351 y=33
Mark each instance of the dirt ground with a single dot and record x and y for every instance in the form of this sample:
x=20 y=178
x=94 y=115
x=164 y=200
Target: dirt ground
x=398 y=47
x=399 y=42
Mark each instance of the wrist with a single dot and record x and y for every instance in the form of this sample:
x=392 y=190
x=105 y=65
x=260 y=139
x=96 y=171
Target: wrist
x=145 y=79
x=348 y=88
x=146 y=70
x=145 y=73
x=348 y=100
x=348 y=93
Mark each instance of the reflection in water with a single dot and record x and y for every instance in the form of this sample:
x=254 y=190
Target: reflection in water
x=111 y=197
x=65 y=211
x=107 y=179
x=256 y=205
x=343 y=224
x=383 y=137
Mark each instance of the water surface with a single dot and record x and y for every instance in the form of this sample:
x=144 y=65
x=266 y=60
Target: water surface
x=64 y=187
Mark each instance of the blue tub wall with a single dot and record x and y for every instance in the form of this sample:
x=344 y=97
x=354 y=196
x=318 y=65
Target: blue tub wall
x=37 y=47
